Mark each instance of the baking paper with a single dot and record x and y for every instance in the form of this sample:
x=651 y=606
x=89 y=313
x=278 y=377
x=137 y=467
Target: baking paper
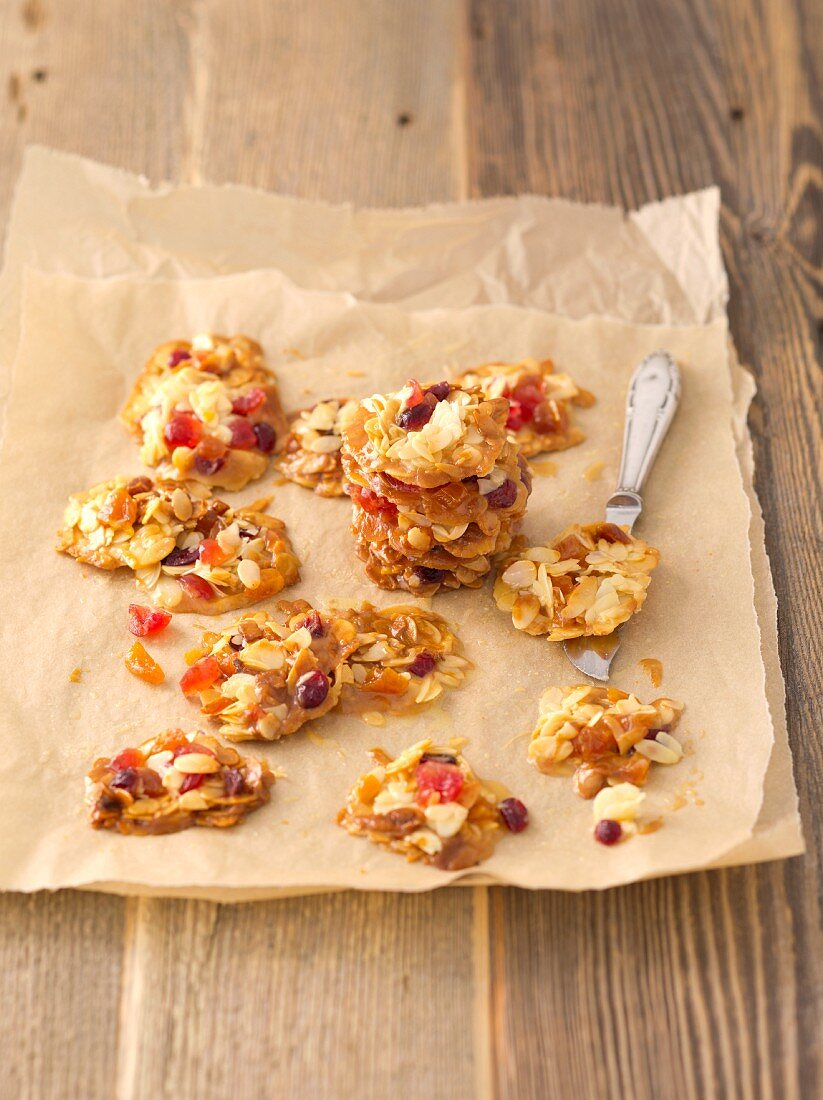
x=82 y=344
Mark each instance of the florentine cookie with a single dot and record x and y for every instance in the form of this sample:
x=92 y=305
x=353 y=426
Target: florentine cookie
x=207 y=410
x=264 y=677
x=311 y=455
x=587 y=581
x=174 y=781
x=428 y=805
x=188 y=552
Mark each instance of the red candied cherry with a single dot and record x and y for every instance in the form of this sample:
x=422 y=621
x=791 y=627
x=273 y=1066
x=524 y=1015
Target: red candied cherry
x=515 y=419
x=211 y=552
x=372 y=502
x=435 y=778
x=514 y=813
x=503 y=496
x=146 y=620
x=608 y=832
x=191 y=783
x=416 y=395
x=178 y=356
x=247 y=402
x=312 y=689
x=183 y=430
x=128 y=758
x=440 y=390
x=422 y=665
x=529 y=393
x=313 y=622
x=414 y=417
x=242 y=434
x=196 y=587
x=201 y=675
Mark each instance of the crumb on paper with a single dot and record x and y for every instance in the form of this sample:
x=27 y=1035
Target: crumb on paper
x=544 y=467
x=325 y=742
x=654 y=669
x=76 y=675
x=374 y=718
x=295 y=353
x=355 y=374
x=650 y=826
x=593 y=472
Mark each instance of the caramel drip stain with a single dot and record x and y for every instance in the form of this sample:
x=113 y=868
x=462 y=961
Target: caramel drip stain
x=374 y=718
x=355 y=374
x=544 y=468
x=295 y=353
x=325 y=742
x=76 y=675
x=654 y=670
x=593 y=472
x=650 y=826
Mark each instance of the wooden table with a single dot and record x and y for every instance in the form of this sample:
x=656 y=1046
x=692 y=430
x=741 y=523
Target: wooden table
x=706 y=985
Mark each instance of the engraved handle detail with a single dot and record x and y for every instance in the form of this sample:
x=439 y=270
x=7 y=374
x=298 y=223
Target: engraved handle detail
x=654 y=394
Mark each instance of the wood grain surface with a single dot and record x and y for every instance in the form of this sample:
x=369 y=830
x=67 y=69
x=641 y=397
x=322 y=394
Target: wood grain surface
x=706 y=985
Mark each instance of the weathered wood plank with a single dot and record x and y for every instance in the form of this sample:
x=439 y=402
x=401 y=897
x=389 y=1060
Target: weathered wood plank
x=707 y=985
x=334 y=101
x=333 y=996
x=60 y=960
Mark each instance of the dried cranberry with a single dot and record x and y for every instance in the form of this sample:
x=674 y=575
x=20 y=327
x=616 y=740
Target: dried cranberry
x=196 y=587
x=651 y=735
x=608 y=832
x=414 y=417
x=313 y=622
x=432 y=777
x=178 y=356
x=125 y=780
x=503 y=496
x=237 y=641
x=234 y=781
x=440 y=390
x=311 y=690
x=514 y=421
x=248 y=402
x=242 y=434
x=265 y=436
x=208 y=466
x=515 y=815
x=438 y=757
x=422 y=665
x=192 y=782
x=428 y=575
x=179 y=556
x=145 y=620
x=183 y=430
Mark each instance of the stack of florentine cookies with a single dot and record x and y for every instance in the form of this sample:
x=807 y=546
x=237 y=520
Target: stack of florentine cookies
x=438 y=485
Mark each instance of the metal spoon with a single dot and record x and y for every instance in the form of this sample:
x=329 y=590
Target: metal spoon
x=652 y=400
